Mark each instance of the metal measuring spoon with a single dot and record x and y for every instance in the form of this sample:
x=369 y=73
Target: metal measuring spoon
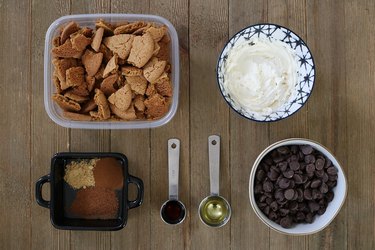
x=173 y=211
x=214 y=210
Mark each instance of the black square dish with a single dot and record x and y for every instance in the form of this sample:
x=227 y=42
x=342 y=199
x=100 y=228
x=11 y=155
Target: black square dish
x=62 y=194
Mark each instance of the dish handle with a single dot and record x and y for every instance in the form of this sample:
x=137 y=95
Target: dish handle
x=38 y=191
x=139 y=183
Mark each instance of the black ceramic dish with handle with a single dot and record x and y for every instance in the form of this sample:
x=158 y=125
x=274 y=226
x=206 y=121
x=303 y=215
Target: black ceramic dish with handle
x=61 y=194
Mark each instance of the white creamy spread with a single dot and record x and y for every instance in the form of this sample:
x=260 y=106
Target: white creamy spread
x=260 y=75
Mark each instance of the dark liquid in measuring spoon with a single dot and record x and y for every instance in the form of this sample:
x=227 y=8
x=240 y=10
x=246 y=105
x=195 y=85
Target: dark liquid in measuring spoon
x=173 y=212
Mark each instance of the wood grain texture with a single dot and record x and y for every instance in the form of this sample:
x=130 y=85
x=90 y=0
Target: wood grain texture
x=339 y=115
x=15 y=75
x=208 y=32
x=165 y=236
x=43 y=128
x=247 y=140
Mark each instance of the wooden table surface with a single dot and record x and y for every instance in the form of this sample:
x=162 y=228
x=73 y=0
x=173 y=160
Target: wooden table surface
x=339 y=115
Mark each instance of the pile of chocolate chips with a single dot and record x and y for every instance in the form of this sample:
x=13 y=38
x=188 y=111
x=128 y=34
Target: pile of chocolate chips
x=293 y=184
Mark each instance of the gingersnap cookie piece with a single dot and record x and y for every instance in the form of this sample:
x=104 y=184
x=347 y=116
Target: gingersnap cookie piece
x=153 y=69
x=75 y=76
x=69 y=29
x=99 y=74
x=74 y=97
x=88 y=106
x=103 y=108
x=65 y=103
x=141 y=51
x=56 y=82
x=119 y=44
x=90 y=81
x=129 y=28
x=56 y=42
x=108 y=83
x=156 y=106
x=61 y=66
x=80 y=90
x=122 y=97
x=139 y=103
x=108 y=28
x=151 y=90
x=66 y=50
x=137 y=83
x=86 y=31
x=128 y=114
x=163 y=85
x=131 y=71
x=76 y=116
x=97 y=40
x=157 y=33
x=142 y=30
x=92 y=61
x=80 y=41
x=111 y=66
x=156 y=49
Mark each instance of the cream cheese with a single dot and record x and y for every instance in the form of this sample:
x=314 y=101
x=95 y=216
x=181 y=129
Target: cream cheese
x=260 y=75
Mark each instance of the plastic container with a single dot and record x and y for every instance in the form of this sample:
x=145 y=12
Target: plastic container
x=88 y=20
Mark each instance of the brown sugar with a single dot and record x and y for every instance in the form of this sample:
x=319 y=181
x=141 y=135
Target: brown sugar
x=95 y=203
x=108 y=173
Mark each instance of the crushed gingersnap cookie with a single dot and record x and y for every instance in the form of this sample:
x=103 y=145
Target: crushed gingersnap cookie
x=92 y=61
x=138 y=84
x=74 y=97
x=108 y=28
x=57 y=84
x=66 y=50
x=97 y=39
x=75 y=76
x=80 y=90
x=129 y=28
x=65 y=103
x=107 y=85
x=88 y=106
x=79 y=42
x=163 y=85
x=112 y=66
x=103 y=107
x=156 y=106
x=119 y=44
x=128 y=114
x=157 y=33
x=69 y=29
x=131 y=71
x=153 y=69
x=150 y=90
x=139 y=103
x=141 y=51
x=61 y=66
x=122 y=98
x=90 y=81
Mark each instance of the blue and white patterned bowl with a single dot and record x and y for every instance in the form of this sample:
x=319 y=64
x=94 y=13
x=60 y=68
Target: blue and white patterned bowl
x=306 y=70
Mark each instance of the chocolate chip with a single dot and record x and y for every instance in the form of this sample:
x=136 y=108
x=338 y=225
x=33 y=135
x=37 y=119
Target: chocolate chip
x=269 y=201
x=319 y=163
x=329 y=196
x=293 y=206
x=294 y=165
x=328 y=163
x=313 y=206
x=288 y=173
x=307 y=194
x=274 y=206
x=310 y=159
x=283 y=211
x=279 y=195
x=319 y=173
x=272 y=215
x=262 y=198
x=315 y=183
x=260 y=175
x=294 y=149
x=267 y=186
x=306 y=149
x=331 y=171
x=323 y=188
x=286 y=222
x=282 y=166
x=309 y=218
x=258 y=189
x=300 y=216
x=325 y=177
x=322 y=210
x=310 y=168
x=283 y=150
x=284 y=183
x=272 y=175
x=266 y=210
x=297 y=179
x=289 y=194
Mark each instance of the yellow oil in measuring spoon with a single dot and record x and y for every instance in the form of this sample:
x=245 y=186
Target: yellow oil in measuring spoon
x=214 y=210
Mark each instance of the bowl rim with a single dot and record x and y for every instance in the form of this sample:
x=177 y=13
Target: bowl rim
x=252 y=177
x=100 y=125
x=220 y=57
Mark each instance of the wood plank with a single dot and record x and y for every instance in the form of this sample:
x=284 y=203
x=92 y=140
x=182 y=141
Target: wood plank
x=135 y=144
x=47 y=137
x=327 y=107
x=209 y=114
x=90 y=140
x=290 y=14
x=360 y=92
x=165 y=236
x=247 y=139
x=15 y=75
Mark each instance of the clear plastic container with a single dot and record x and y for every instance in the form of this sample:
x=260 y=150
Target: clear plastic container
x=88 y=20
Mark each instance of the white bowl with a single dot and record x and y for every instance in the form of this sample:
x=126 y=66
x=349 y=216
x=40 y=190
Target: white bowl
x=320 y=221
x=88 y=20
x=305 y=72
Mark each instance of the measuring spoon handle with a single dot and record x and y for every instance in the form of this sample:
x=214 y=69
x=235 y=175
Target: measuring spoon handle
x=214 y=163
x=173 y=167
